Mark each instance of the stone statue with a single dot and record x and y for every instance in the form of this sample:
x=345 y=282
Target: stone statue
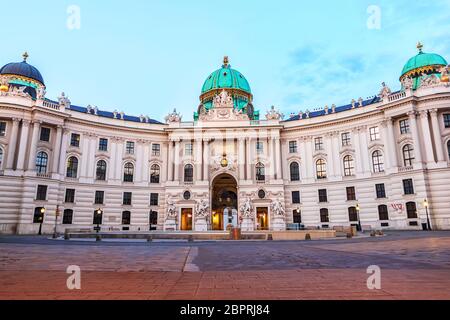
x=201 y=209
x=247 y=208
x=385 y=91
x=274 y=114
x=407 y=83
x=445 y=73
x=171 y=210
x=173 y=117
x=429 y=81
x=277 y=208
x=64 y=101
x=41 y=92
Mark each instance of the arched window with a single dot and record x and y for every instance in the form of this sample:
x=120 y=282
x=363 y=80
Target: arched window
x=126 y=218
x=377 y=161
x=154 y=173
x=383 y=212
x=411 y=210
x=352 y=214
x=72 y=167
x=128 y=172
x=188 y=173
x=321 y=169
x=68 y=216
x=295 y=171
x=1 y=158
x=324 y=216
x=349 y=166
x=260 y=172
x=448 y=149
x=41 y=162
x=100 y=173
x=408 y=155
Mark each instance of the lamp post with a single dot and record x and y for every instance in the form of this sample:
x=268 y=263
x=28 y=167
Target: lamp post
x=99 y=212
x=426 y=205
x=57 y=213
x=358 y=210
x=41 y=220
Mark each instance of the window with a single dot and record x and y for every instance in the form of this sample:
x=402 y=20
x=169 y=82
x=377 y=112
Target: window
x=67 y=216
x=154 y=173
x=129 y=148
x=100 y=172
x=128 y=172
x=41 y=162
x=72 y=167
x=75 y=140
x=380 y=190
x=408 y=186
x=351 y=194
x=318 y=142
x=408 y=155
x=126 y=218
x=447 y=120
x=411 y=210
x=404 y=126
x=188 y=149
x=324 y=217
x=448 y=149
x=186 y=195
x=156 y=150
x=352 y=214
x=103 y=144
x=296 y=197
x=99 y=197
x=259 y=147
x=70 y=196
x=321 y=169
x=154 y=199
x=127 y=198
x=383 y=212
x=260 y=172
x=292 y=146
x=38 y=216
x=374 y=133
x=153 y=218
x=323 y=196
x=45 y=134
x=98 y=218
x=297 y=214
x=377 y=161
x=188 y=173
x=1 y=158
x=41 y=194
x=349 y=166
x=346 y=140
x=2 y=129
x=295 y=171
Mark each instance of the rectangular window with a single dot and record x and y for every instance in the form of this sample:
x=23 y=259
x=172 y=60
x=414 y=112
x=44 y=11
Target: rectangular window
x=351 y=194
x=188 y=149
x=41 y=193
x=75 y=140
x=103 y=144
x=70 y=196
x=374 y=133
x=408 y=186
x=259 y=147
x=67 y=216
x=296 y=197
x=156 y=150
x=45 y=134
x=381 y=191
x=154 y=199
x=130 y=147
x=127 y=198
x=404 y=126
x=346 y=140
x=292 y=146
x=447 y=120
x=324 y=216
x=318 y=142
x=99 y=197
x=2 y=129
x=383 y=213
x=323 y=196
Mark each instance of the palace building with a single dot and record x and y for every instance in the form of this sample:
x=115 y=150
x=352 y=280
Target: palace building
x=382 y=162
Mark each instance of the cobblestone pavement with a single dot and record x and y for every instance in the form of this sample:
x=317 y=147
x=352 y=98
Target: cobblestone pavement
x=413 y=266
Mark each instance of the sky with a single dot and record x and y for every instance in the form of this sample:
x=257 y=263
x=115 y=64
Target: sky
x=149 y=57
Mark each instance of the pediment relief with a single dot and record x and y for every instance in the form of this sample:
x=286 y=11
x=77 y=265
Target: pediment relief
x=223 y=109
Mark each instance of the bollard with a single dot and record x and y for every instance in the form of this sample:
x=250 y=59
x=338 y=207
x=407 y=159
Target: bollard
x=191 y=238
x=349 y=235
x=308 y=237
x=269 y=237
x=98 y=238
x=150 y=238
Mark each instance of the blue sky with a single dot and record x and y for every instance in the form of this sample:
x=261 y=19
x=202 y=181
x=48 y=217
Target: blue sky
x=147 y=57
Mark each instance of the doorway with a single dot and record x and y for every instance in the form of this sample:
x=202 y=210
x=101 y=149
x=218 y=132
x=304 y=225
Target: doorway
x=262 y=218
x=186 y=219
x=224 y=203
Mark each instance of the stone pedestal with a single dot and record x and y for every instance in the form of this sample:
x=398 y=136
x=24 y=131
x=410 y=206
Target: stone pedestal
x=201 y=225
x=247 y=224
x=170 y=225
x=278 y=224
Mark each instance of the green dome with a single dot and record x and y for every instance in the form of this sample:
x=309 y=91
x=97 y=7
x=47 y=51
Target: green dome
x=423 y=60
x=226 y=78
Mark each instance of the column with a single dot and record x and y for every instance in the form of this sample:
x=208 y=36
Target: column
x=248 y=160
x=392 y=142
x=33 y=146
x=23 y=144
x=437 y=136
x=304 y=162
x=429 y=155
x=284 y=157
x=165 y=164
x=387 y=142
x=90 y=158
x=415 y=136
x=278 y=172
x=329 y=150
x=336 y=155
x=198 y=159
x=271 y=156
x=139 y=160
x=206 y=159
x=12 y=144
x=177 y=160
x=57 y=149
x=170 y=161
x=309 y=158
x=62 y=158
x=365 y=150
x=119 y=159
x=241 y=158
x=112 y=161
x=145 y=175
x=358 y=154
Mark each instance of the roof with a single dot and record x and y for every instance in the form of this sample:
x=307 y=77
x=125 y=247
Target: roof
x=423 y=60
x=22 y=69
x=228 y=78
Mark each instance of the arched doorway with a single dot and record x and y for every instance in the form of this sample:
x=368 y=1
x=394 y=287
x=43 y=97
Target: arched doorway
x=224 y=202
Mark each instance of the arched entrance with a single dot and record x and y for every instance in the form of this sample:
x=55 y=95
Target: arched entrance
x=224 y=202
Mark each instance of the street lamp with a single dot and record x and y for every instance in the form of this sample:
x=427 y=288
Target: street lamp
x=426 y=205
x=41 y=220
x=99 y=212
x=57 y=213
x=358 y=210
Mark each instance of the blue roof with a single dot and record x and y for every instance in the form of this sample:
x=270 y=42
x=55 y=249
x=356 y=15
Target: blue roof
x=315 y=114
x=22 y=69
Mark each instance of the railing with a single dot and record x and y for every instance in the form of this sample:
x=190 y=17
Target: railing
x=397 y=96
x=50 y=105
x=405 y=169
x=43 y=175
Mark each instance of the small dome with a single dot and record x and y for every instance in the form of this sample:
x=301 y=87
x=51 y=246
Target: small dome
x=226 y=78
x=22 y=69
x=422 y=62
